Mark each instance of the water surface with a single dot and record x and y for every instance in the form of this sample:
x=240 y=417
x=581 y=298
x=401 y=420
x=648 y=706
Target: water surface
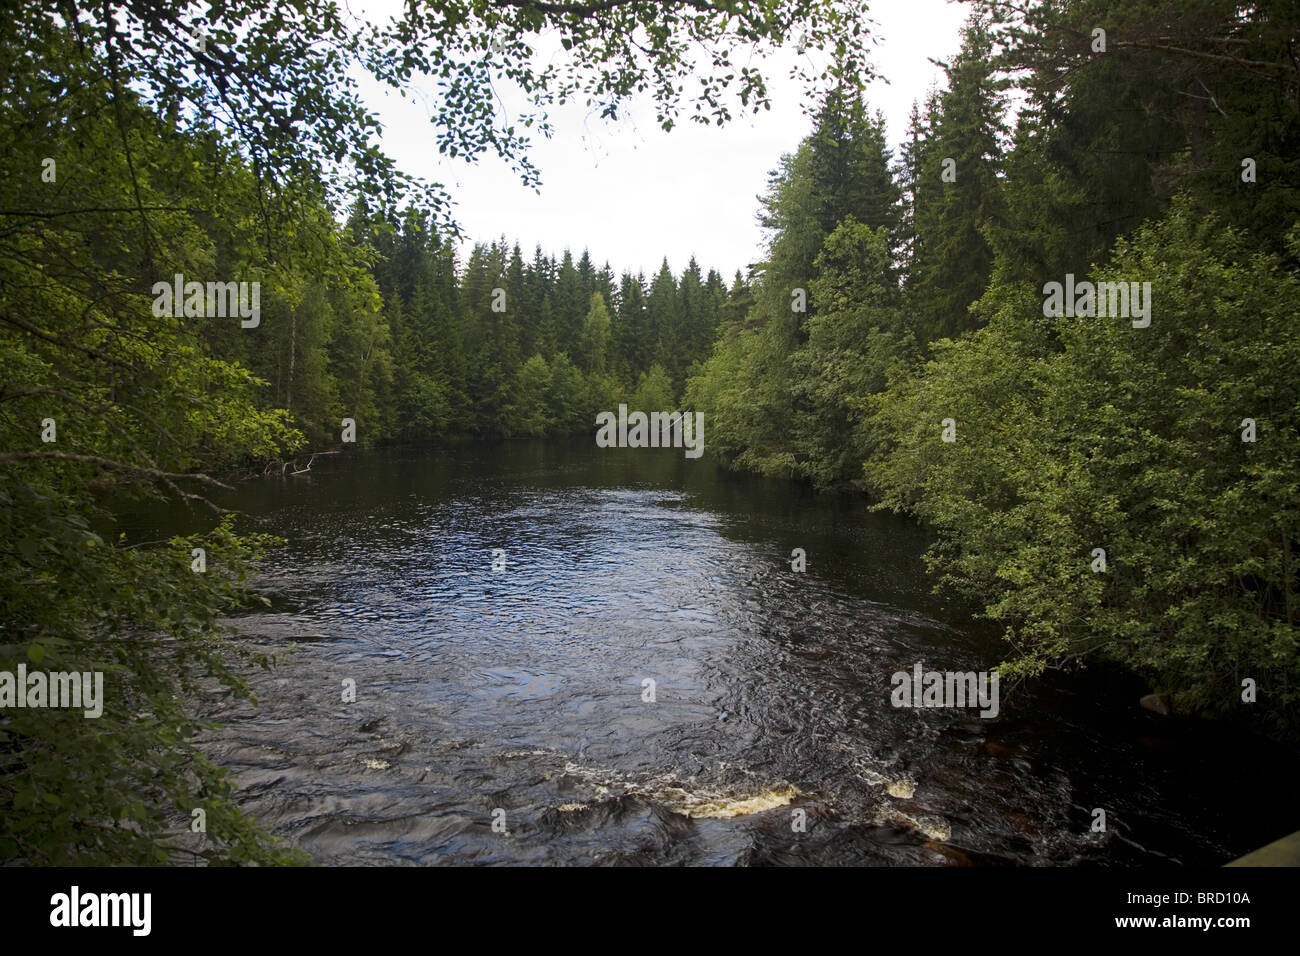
x=522 y=690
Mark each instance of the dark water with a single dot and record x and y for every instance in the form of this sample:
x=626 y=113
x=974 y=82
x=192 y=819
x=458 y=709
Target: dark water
x=521 y=690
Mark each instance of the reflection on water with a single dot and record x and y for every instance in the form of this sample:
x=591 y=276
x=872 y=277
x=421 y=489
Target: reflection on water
x=770 y=738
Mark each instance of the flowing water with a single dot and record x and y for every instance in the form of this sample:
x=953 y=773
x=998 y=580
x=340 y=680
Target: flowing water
x=518 y=695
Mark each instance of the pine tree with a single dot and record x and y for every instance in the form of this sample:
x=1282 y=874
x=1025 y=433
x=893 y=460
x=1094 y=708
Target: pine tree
x=663 y=312
x=570 y=306
x=958 y=193
x=631 y=330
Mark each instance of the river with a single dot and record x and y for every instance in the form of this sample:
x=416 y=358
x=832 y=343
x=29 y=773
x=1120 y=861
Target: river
x=502 y=714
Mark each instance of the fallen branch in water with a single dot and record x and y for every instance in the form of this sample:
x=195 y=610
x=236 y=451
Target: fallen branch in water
x=284 y=465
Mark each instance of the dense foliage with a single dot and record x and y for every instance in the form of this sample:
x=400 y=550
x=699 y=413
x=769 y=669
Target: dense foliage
x=925 y=370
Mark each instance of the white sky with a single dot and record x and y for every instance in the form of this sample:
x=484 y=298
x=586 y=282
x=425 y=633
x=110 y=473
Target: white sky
x=634 y=194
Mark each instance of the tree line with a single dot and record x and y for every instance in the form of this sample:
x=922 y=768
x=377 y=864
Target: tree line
x=503 y=346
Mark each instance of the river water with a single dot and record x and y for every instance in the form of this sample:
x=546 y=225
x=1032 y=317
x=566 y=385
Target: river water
x=518 y=695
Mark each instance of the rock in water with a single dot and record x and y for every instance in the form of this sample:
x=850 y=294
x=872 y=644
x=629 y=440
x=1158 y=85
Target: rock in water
x=1159 y=703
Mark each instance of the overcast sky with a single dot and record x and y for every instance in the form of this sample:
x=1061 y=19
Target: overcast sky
x=634 y=194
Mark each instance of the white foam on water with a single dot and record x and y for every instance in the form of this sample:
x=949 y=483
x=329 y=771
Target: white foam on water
x=932 y=827
x=689 y=800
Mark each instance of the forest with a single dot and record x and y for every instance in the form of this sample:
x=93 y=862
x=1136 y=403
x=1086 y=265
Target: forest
x=1100 y=489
